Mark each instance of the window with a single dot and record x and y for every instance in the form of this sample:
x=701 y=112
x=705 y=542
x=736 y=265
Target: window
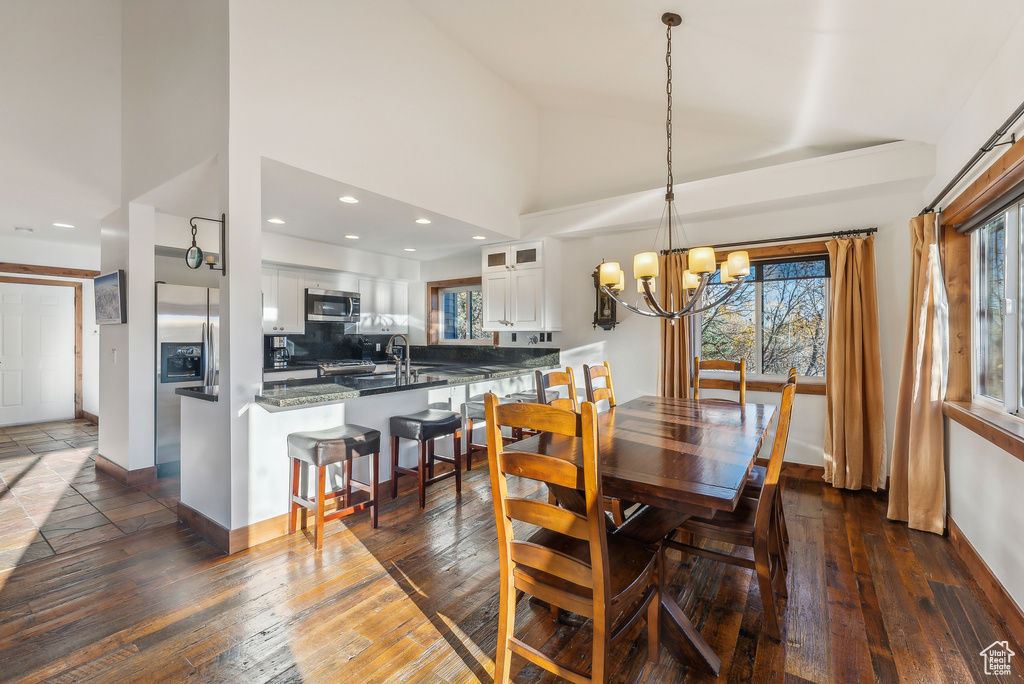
x=462 y=314
x=996 y=252
x=456 y=312
x=777 y=322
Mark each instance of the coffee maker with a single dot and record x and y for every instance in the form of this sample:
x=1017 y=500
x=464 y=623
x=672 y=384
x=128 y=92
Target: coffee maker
x=279 y=352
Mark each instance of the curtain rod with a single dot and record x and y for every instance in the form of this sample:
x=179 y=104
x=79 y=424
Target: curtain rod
x=792 y=238
x=991 y=143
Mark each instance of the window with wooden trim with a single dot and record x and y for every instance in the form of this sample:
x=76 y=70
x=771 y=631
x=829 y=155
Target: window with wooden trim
x=995 y=292
x=776 y=322
x=455 y=310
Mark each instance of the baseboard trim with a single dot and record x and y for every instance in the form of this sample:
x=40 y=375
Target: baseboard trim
x=802 y=471
x=129 y=478
x=990 y=585
x=211 y=531
x=233 y=541
x=91 y=416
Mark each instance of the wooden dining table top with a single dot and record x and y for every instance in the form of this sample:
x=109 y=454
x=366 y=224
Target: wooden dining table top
x=678 y=454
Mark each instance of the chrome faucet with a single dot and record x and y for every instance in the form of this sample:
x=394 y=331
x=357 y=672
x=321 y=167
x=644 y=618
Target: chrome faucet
x=398 y=361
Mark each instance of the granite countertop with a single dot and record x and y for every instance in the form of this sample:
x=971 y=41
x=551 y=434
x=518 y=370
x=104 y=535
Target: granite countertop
x=200 y=392
x=290 y=394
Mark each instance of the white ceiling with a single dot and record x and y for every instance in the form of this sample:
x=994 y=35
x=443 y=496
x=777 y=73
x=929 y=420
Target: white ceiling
x=309 y=206
x=755 y=82
x=60 y=117
x=829 y=73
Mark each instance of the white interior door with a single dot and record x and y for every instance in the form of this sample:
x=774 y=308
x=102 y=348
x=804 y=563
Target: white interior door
x=37 y=353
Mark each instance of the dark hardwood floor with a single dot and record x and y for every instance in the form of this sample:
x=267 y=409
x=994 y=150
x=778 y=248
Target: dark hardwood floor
x=415 y=600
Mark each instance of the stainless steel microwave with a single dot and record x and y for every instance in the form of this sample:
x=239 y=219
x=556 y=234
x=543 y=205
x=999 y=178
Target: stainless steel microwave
x=332 y=305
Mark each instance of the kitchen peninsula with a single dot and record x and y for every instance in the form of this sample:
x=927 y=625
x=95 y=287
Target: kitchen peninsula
x=318 y=403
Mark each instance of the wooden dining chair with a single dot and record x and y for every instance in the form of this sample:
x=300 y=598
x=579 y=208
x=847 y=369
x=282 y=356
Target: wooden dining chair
x=596 y=393
x=730 y=384
x=571 y=562
x=754 y=523
x=555 y=379
x=755 y=481
x=618 y=508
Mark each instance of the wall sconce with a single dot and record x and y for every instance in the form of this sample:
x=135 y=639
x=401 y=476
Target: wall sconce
x=194 y=255
x=604 y=314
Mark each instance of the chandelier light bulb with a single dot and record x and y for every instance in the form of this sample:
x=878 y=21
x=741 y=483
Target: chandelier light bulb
x=640 y=286
x=645 y=264
x=739 y=263
x=620 y=285
x=609 y=273
x=702 y=260
x=691 y=281
x=725 y=277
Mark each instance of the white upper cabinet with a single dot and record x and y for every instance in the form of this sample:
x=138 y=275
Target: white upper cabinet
x=383 y=307
x=519 y=292
x=284 y=302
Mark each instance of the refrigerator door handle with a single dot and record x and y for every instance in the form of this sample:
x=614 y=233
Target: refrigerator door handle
x=206 y=355
x=212 y=367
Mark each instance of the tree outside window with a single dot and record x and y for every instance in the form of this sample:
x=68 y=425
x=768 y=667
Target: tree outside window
x=777 y=322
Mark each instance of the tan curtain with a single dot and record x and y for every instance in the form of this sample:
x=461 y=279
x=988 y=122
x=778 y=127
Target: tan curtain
x=676 y=356
x=918 y=478
x=855 y=428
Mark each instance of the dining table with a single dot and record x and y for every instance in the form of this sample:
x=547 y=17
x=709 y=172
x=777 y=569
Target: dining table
x=679 y=458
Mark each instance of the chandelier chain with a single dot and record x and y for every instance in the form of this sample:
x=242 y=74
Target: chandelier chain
x=668 y=117
x=668 y=128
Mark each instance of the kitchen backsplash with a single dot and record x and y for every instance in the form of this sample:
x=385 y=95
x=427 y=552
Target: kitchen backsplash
x=335 y=341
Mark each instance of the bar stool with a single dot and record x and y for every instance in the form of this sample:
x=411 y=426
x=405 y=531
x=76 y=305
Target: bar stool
x=473 y=410
x=321 y=448
x=424 y=427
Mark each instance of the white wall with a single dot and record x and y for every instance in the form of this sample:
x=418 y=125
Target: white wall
x=374 y=95
x=984 y=481
x=49 y=253
x=173 y=119
x=984 y=500
x=632 y=348
x=370 y=94
x=174 y=89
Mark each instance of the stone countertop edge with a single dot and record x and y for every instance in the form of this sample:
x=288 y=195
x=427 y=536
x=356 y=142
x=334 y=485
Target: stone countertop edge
x=203 y=393
x=317 y=395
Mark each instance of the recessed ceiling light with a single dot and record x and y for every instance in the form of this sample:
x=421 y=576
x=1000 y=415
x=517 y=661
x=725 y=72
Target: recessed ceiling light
x=24 y=229
x=410 y=249
x=352 y=237
x=63 y=225
x=479 y=237
x=276 y=221
x=423 y=221
x=349 y=200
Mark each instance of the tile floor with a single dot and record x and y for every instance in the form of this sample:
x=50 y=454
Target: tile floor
x=52 y=499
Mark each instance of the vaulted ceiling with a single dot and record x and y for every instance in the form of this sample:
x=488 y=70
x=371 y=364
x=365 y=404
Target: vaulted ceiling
x=754 y=83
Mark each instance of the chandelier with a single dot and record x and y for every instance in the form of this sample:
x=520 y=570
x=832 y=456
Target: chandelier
x=701 y=260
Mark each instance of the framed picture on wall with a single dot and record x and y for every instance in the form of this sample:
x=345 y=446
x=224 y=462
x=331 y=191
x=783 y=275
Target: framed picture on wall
x=111 y=303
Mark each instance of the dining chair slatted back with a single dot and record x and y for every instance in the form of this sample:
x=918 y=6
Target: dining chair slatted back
x=754 y=523
x=556 y=379
x=568 y=562
x=730 y=384
x=596 y=393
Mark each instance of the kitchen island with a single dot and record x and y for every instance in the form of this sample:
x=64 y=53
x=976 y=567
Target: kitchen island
x=367 y=400
x=290 y=394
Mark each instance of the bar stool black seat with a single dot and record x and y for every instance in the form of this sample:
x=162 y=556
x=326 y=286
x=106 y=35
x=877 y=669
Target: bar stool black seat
x=321 y=448
x=424 y=427
x=473 y=410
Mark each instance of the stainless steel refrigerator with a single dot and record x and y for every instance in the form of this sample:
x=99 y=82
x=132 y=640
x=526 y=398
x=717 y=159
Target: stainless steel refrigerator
x=187 y=342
